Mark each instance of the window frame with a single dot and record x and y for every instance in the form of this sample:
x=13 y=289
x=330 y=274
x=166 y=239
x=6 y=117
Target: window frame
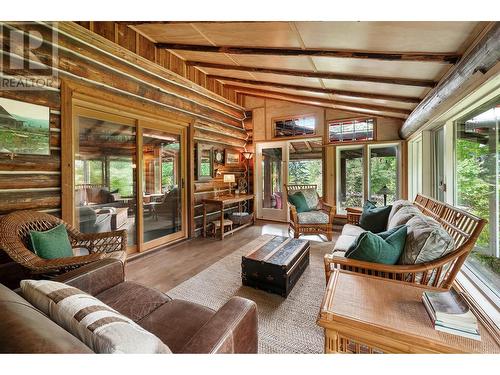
x=291 y=117
x=365 y=118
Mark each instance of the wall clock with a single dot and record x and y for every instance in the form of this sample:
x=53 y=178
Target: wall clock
x=218 y=156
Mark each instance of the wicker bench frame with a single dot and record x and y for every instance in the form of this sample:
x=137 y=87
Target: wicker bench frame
x=462 y=226
x=297 y=228
x=14 y=233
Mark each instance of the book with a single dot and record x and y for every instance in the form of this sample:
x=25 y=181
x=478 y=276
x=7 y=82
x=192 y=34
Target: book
x=450 y=313
x=449 y=307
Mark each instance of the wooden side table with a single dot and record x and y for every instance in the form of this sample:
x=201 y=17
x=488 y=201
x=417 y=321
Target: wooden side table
x=367 y=314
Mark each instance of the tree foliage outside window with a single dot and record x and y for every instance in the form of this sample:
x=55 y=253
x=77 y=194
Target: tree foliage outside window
x=121 y=177
x=167 y=174
x=306 y=172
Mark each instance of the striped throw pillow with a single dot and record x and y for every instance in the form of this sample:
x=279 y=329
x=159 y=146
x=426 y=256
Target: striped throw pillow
x=101 y=328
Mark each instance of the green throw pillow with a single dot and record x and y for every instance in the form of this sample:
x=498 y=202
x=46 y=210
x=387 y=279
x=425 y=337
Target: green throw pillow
x=51 y=244
x=371 y=247
x=374 y=218
x=383 y=235
x=299 y=201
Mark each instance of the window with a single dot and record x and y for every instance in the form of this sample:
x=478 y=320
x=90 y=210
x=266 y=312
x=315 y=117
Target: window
x=351 y=130
x=477 y=187
x=350 y=177
x=305 y=165
x=384 y=174
x=294 y=126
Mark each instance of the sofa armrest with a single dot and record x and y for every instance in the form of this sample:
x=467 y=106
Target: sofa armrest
x=95 y=277
x=232 y=329
x=353 y=215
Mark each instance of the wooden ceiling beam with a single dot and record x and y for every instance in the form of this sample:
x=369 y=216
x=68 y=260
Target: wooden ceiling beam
x=448 y=58
x=317 y=101
x=312 y=74
x=351 y=94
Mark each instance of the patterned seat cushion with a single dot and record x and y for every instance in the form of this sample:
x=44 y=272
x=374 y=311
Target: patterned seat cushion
x=313 y=217
x=97 y=325
x=426 y=241
x=311 y=197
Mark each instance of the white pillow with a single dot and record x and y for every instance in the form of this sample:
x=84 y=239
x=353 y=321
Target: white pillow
x=97 y=325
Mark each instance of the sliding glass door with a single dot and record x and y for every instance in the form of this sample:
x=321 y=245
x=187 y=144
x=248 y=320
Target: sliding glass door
x=112 y=193
x=384 y=173
x=350 y=168
x=367 y=171
x=105 y=182
x=161 y=185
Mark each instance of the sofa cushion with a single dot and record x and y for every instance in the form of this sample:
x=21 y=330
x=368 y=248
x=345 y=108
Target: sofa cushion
x=374 y=218
x=133 y=300
x=313 y=217
x=51 y=244
x=24 y=329
x=176 y=322
x=352 y=230
x=426 y=241
x=397 y=205
x=97 y=325
x=402 y=215
x=299 y=201
x=370 y=247
x=383 y=235
x=344 y=242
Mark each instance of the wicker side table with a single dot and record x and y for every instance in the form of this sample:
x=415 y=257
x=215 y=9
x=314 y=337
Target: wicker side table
x=367 y=314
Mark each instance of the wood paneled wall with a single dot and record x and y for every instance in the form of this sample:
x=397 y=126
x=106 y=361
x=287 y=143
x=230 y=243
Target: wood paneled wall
x=111 y=59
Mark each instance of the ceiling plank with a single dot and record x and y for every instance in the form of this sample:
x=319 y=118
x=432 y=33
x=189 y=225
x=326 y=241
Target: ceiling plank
x=449 y=58
x=313 y=100
x=352 y=94
x=312 y=74
x=308 y=145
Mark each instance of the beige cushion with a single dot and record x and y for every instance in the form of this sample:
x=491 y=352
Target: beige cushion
x=313 y=217
x=97 y=325
x=396 y=206
x=426 y=241
x=352 y=230
x=344 y=242
x=403 y=215
x=339 y=254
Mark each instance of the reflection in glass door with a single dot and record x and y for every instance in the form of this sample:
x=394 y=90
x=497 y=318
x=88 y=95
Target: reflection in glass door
x=271 y=169
x=105 y=182
x=350 y=177
x=161 y=184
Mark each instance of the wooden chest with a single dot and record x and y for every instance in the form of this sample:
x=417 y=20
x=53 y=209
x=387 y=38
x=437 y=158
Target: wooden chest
x=276 y=265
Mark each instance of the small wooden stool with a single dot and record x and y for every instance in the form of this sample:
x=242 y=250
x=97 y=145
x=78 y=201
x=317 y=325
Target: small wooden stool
x=216 y=225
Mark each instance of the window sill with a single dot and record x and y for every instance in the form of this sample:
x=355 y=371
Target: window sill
x=482 y=303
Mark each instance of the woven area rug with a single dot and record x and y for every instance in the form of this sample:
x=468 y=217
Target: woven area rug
x=285 y=325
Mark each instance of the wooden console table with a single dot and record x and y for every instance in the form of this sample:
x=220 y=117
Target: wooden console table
x=367 y=314
x=223 y=201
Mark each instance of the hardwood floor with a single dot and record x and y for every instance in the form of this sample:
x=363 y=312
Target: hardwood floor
x=166 y=268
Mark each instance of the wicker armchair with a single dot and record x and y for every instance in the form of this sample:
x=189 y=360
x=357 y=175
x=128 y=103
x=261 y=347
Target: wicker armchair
x=462 y=226
x=14 y=234
x=310 y=228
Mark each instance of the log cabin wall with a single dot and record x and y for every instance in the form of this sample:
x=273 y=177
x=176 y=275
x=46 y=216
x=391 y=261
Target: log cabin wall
x=113 y=59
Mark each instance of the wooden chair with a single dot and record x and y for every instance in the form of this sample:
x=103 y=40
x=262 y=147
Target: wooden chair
x=310 y=228
x=462 y=226
x=14 y=237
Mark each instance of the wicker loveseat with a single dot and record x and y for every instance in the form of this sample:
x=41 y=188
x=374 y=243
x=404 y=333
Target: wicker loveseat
x=462 y=226
x=319 y=221
x=14 y=234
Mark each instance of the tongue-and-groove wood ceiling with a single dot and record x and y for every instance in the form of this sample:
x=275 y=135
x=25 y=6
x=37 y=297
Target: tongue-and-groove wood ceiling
x=389 y=68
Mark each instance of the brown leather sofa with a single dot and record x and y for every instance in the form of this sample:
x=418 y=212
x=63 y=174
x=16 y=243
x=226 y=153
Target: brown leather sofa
x=185 y=327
